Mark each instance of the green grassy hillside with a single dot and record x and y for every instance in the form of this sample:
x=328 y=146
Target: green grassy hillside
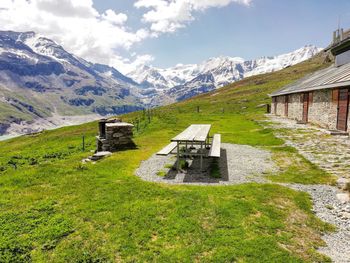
x=55 y=209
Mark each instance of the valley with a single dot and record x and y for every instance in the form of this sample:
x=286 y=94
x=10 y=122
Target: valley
x=41 y=81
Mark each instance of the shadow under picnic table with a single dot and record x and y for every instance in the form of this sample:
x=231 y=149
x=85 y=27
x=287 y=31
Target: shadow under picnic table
x=193 y=173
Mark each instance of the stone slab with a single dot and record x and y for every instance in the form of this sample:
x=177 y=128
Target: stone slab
x=119 y=124
x=339 y=133
x=100 y=155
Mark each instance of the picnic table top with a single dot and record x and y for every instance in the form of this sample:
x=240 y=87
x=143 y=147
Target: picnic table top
x=194 y=132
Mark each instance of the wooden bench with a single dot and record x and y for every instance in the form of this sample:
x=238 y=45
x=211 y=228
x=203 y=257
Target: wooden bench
x=215 y=146
x=167 y=149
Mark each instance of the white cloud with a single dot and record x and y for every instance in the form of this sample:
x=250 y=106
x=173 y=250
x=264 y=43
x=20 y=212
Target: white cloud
x=128 y=65
x=170 y=15
x=115 y=18
x=75 y=24
x=66 y=8
x=100 y=37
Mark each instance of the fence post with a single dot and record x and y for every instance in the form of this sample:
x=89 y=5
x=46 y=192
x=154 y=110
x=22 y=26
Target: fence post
x=84 y=143
x=149 y=116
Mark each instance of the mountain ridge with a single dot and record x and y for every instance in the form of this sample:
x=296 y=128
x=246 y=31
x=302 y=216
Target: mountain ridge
x=40 y=82
x=39 y=79
x=220 y=71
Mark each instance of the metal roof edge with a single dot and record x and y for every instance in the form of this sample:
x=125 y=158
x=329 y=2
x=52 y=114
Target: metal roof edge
x=328 y=86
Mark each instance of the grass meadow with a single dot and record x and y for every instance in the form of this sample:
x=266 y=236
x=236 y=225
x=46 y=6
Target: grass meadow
x=53 y=208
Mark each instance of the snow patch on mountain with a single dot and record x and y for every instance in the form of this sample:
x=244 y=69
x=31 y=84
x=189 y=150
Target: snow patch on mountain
x=183 y=81
x=266 y=65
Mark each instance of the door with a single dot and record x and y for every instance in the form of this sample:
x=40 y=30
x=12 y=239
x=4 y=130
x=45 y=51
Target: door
x=343 y=109
x=305 y=107
x=286 y=101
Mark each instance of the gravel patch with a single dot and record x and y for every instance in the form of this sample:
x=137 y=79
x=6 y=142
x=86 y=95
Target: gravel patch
x=238 y=164
x=327 y=207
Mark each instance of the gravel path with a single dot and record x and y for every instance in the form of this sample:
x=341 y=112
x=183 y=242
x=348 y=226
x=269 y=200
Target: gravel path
x=331 y=153
x=331 y=204
x=238 y=164
x=329 y=208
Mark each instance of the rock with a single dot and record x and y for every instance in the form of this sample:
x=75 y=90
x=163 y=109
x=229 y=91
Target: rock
x=342 y=183
x=118 y=134
x=343 y=197
x=346 y=215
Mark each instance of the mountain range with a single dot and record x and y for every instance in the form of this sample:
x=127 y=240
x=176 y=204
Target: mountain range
x=43 y=86
x=39 y=79
x=184 y=81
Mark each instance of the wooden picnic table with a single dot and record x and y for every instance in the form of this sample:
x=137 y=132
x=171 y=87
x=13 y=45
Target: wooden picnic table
x=195 y=134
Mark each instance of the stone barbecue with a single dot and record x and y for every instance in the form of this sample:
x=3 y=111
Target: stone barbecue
x=114 y=135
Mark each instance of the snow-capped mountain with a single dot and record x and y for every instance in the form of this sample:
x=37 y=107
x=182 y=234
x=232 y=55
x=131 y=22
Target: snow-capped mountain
x=270 y=64
x=184 y=81
x=39 y=79
x=40 y=82
x=201 y=84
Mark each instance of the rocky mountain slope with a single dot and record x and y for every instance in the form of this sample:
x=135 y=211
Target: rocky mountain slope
x=184 y=81
x=43 y=86
x=40 y=80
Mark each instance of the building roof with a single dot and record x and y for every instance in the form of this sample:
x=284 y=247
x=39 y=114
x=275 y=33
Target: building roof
x=331 y=77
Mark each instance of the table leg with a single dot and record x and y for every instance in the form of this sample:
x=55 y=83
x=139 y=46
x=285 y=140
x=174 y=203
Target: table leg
x=201 y=156
x=178 y=156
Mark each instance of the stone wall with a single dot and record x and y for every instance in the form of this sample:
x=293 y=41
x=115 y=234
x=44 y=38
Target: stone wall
x=322 y=110
x=119 y=135
x=279 y=106
x=295 y=107
x=349 y=117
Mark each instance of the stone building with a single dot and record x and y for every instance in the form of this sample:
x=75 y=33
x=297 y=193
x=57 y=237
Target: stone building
x=321 y=98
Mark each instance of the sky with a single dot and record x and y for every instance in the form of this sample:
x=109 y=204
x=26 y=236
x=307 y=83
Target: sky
x=129 y=33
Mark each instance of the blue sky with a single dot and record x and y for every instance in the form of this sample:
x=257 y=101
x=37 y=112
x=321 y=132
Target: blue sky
x=128 y=33
x=264 y=28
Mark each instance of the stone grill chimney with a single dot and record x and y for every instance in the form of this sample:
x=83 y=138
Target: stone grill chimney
x=114 y=135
